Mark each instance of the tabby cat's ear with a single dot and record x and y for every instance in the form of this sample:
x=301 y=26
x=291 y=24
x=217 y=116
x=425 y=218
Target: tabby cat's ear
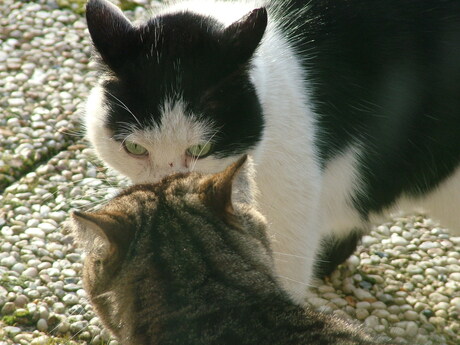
x=94 y=233
x=242 y=37
x=218 y=189
x=113 y=35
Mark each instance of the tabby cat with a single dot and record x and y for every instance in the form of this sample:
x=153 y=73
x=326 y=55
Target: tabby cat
x=179 y=262
x=348 y=107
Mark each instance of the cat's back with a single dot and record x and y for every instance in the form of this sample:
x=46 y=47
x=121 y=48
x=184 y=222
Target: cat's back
x=384 y=83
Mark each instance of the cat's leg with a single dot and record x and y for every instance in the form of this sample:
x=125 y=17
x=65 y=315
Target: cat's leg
x=334 y=251
x=342 y=223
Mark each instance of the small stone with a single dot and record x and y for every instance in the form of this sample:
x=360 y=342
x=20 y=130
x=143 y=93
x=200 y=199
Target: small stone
x=411 y=329
x=35 y=232
x=441 y=306
x=70 y=299
x=378 y=305
x=8 y=308
x=339 y=302
x=11 y=330
x=318 y=302
x=436 y=297
x=371 y=321
x=363 y=305
x=31 y=272
x=382 y=313
x=397 y=332
x=42 y=340
x=427 y=313
x=18 y=267
x=73 y=257
x=68 y=272
x=47 y=227
x=398 y=240
x=428 y=245
x=414 y=269
x=42 y=325
x=8 y=261
x=410 y=315
x=362 y=294
x=437 y=321
x=59 y=308
x=455 y=302
x=21 y=301
x=369 y=240
x=361 y=314
x=21 y=210
x=455 y=276
x=71 y=287
x=365 y=285
x=396 y=229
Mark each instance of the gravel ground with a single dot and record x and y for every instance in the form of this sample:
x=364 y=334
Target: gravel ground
x=403 y=282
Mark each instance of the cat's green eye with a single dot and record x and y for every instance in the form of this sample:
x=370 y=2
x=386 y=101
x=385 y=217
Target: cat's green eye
x=135 y=149
x=200 y=150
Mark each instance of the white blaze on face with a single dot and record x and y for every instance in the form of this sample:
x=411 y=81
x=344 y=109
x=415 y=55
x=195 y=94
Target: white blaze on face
x=166 y=142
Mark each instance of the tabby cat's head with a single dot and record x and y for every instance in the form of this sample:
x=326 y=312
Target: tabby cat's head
x=175 y=94
x=159 y=248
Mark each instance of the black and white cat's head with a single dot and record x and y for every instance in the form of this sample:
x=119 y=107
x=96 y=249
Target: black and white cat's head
x=175 y=93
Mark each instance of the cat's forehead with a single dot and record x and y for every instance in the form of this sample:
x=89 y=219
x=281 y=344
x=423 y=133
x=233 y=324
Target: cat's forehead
x=181 y=35
x=178 y=47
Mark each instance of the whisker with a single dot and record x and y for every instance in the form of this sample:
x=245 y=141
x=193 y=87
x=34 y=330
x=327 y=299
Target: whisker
x=207 y=142
x=295 y=281
x=122 y=105
x=295 y=256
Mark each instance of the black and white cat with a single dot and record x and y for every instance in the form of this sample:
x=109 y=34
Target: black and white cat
x=348 y=107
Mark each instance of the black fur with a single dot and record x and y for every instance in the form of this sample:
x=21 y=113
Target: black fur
x=163 y=59
x=385 y=75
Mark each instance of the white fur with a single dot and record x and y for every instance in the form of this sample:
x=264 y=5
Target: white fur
x=287 y=174
x=294 y=195
x=340 y=183
x=442 y=204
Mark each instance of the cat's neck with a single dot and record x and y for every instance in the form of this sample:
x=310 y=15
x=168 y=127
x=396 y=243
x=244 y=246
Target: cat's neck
x=179 y=309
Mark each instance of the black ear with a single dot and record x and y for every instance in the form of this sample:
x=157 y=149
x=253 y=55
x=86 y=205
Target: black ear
x=242 y=37
x=113 y=35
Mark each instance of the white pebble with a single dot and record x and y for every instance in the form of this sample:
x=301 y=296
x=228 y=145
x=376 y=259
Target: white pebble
x=396 y=229
x=398 y=240
x=18 y=267
x=47 y=227
x=361 y=314
x=31 y=272
x=70 y=299
x=428 y=245
x=9 y=261
x=42 y=325
x=35 y=232
x=362 y=294
x=455 y=276
x=371 y=321
x=411 y=329
x=16 y=102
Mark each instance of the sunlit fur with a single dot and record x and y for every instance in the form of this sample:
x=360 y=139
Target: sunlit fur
x=358 y=116
x=179 y=263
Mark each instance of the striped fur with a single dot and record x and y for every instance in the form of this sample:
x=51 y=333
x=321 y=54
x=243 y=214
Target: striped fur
x=179 y=263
